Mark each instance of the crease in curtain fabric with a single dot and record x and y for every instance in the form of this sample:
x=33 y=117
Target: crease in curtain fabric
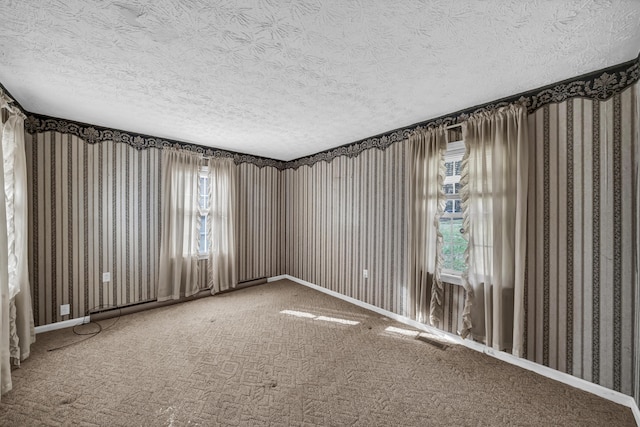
x=22 y=329
x=494 y=197
x=17 y=331
x=221 y=232
x=179 y=251
x=428 y=147
x=5 y=358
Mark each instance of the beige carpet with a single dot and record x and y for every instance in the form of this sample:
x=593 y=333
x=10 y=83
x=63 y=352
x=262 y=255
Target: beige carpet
x=236 y=359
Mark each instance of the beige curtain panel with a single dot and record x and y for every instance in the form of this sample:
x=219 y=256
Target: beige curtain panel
x=180 y=218
x=222 y=227
x=494 y=196
x=428 y=147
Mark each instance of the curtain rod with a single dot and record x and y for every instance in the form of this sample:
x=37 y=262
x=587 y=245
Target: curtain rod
x=454 y=126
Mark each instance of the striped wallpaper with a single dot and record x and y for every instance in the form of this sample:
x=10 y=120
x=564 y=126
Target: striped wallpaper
x=581 y=243
x=261 y=211
x=95 y=208
x=351 y=214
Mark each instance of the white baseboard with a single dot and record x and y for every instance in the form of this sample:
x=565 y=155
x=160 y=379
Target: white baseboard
x=81 y=320
x=61 y=325
x=545 y=371
x=635 y=410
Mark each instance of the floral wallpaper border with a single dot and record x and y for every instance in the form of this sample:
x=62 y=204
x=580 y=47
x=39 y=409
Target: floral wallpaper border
x=599 y=85
x=36 y=123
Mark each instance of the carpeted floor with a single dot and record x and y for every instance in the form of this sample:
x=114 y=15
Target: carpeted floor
x=280 y=354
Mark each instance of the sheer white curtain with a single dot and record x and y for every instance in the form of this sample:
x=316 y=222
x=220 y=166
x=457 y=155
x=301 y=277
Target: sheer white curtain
x=222 y=270
x=180 y=220
x=16 y=318
x=494 y=197
x=5 y=358
x=428 y=147
x=22 y=331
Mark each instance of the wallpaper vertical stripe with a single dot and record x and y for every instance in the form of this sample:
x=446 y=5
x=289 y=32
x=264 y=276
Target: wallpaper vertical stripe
x=100 y=228
x=546 y=224
x=635 y=137
x=570 y=231
x=617 y=241
x=34 y=236
x=595 y=189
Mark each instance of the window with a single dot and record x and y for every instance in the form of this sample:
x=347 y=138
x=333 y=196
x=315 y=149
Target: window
x=203 y=199
x=454 y=244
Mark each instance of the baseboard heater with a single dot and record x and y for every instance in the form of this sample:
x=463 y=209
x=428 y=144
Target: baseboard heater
x=110 y=312
x=432 y=342
x=246 y=284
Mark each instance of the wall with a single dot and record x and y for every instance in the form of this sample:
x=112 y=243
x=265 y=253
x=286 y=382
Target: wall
x=260 y=214
x=351 y=213
x=348 y=215
x=95 y=208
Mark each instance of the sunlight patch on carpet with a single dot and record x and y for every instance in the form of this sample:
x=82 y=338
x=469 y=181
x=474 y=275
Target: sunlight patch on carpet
x=298 y=314
x=322 y=318
x=402 y=331
x=336 y=320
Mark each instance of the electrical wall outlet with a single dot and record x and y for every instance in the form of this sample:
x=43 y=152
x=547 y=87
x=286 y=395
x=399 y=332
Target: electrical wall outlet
x=106 y=277
x=365 y=274
x=64 y=309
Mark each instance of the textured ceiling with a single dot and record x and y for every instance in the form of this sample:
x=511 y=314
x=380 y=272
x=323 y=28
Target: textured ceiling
x=284 y=79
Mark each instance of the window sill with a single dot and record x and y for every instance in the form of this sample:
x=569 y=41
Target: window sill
x=454 y=279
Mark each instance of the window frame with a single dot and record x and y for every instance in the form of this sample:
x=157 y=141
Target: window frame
x=203 y=212
x=455 y=152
